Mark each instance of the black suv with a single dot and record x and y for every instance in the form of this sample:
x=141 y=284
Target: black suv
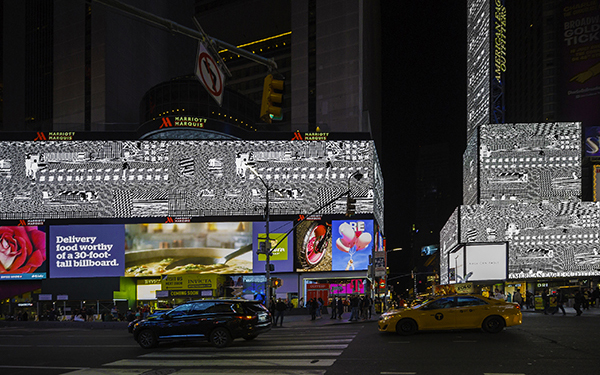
x=219 y=321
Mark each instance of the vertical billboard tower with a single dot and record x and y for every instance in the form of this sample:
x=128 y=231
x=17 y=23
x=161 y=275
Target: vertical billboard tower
x=486 y=63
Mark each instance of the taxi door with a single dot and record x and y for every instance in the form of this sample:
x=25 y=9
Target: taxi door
x=471 y=311
x=439 y=314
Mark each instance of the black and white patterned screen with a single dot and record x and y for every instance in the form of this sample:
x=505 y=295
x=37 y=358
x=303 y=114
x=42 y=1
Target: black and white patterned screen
x=471 y=170
x=131 y=179
x=530 y=198
x=449 y=238
x=544 y=239
x=530 y=162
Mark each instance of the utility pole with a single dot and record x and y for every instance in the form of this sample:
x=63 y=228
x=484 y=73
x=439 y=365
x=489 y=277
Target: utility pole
x=174 y=27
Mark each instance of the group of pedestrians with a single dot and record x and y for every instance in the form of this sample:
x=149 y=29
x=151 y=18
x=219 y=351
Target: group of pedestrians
x=583 y=299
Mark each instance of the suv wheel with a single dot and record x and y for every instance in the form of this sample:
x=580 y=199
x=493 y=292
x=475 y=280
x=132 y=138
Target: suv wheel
x=220 y=337
x=147 y=339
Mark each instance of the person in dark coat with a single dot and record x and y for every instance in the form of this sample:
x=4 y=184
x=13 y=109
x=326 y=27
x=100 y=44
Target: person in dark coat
x=313 y=306
x=340 y=307
x=280 y=308
x=577 y=303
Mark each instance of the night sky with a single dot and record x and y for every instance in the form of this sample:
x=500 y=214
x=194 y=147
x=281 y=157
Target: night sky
x=424 y=101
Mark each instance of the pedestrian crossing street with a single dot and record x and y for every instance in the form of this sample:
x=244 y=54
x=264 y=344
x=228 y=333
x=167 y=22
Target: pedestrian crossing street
x=279 y=352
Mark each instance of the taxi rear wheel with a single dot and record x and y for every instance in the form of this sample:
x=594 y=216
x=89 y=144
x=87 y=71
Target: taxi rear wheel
x=493 y=324
x=406 y=327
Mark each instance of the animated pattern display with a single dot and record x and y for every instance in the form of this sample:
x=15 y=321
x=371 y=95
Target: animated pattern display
x=530 y=162
x=130 y=179
x=545 y=239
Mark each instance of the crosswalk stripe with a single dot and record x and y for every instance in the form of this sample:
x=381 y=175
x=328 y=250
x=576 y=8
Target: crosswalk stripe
x=312 y=354
x=130 y=371
x=262 y=348
x=229 y=363
x=280 y=352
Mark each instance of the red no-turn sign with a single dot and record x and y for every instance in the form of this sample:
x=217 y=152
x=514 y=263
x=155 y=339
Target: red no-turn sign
x=209 y=74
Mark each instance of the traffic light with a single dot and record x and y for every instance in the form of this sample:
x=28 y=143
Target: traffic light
x=350 y=206
x=276 y=282
x=272 y=99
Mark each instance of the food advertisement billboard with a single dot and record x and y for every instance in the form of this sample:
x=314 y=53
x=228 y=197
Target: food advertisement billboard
x=180 y=248
x=353 y=243
x=22 y=253
x=282 y=245
x=86 y=250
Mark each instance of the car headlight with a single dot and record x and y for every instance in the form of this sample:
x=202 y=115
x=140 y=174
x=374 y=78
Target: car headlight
x=386 y=317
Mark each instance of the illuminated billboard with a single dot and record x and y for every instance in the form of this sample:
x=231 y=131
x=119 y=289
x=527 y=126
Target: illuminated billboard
x=456 y=263
x=182 y=179
x=544 y=239
x=530 y=162
x=352 y=244
x=181 y=248
x=449 y=238
x=485 y=262
x=592 y=140
x=479 y=74
x=579 y=83
x=282 y=256
x=86 y=250
x=313 y=246
x=596 y=189
x=471 y=170
x=22 y=253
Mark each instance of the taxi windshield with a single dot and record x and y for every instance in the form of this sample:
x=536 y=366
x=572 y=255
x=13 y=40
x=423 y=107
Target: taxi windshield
x=421 y=303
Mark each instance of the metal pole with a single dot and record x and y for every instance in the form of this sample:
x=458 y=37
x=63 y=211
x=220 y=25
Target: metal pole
x=268 y=251
x=174 y=27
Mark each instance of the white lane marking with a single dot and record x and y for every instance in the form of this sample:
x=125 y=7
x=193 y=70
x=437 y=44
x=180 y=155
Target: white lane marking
x=228 y=363
x=315 y=354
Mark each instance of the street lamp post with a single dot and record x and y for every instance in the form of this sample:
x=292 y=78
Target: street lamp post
x=267 y=240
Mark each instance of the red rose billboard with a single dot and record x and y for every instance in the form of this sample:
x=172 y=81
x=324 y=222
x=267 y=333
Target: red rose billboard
x=22 y=253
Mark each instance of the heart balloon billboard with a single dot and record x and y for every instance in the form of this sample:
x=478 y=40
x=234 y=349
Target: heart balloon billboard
x=353 y=244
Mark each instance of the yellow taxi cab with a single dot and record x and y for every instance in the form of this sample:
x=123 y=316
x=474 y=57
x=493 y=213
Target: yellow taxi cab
x=464 y=311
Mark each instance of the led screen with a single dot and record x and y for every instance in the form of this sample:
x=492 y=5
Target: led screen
x=86 y=250
x=23 y=253
x=544 y=239
x=180 y=248
x=429 y=250
x=132 y=179
x=456 y=266
x=282 y=256
x=352 y=244
x=449 y=238
x=471 y=171
x=578 y=45
x=313 y=246
x=596 y=190
x=478 y=64
x=592 y=140
x=485 y=262
x=530 y=162
x=355 y=286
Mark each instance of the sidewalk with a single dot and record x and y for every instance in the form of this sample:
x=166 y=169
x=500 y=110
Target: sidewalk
x=295 y=319
x=569 y=311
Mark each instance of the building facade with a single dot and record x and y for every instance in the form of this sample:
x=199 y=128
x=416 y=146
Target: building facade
x=528 y=219
x=116 y=115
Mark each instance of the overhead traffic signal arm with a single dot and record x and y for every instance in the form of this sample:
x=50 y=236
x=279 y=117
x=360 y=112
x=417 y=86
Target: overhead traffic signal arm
x=272 y=99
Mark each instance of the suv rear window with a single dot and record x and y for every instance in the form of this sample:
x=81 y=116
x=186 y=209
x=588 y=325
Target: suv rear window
x=220 y=307
x=254 y=307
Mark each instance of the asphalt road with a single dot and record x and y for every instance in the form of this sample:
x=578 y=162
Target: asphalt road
x=543 y=344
